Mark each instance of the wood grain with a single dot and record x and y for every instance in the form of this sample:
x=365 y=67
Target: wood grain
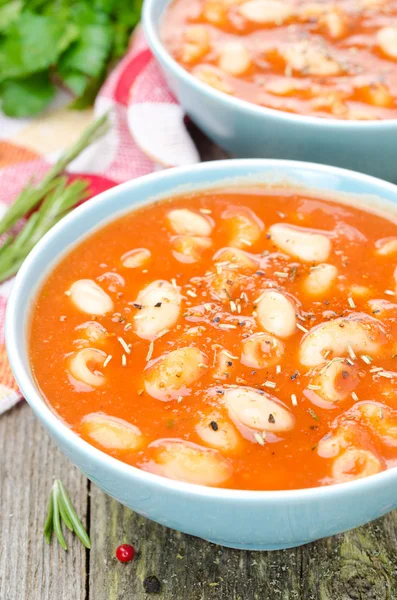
x=29 y=461
x=359 y=565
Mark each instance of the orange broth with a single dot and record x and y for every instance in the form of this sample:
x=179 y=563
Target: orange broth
x=325 y=59
x=260 y=459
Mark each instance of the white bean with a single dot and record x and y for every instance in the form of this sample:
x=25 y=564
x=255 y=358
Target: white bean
x=224 y=366
x=245 y=227
x=84 y=364
x=300 y=242
x=227 y=280
x=276 y=314
x=387 y=41
x=262 y=350
x=197 y=43
x=344 y=436
x=377 y=94
x=382 y=308
x=136 y=258
x=266 y=11
x=386 y=246
x=311 y=59
x=381 y=419
x=335 y=23
x=218 y=433
x=355 y=463
x=330 y=446
x=214 y=11
x=351 y=461
x=234 y=58
x=336 y=381
x=187 y=222
x=113 y=281
x=214 y=78
x=90 y=298
x=236 y=258
x=320 y=279
x=160 y=302
x=93 y=331
x=111 y=432
x=256 y=411
x=185 y=461
x=189 y=248
x=171 y=375
x=362 y=333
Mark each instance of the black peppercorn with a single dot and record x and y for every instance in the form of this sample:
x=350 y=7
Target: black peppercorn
x=152 y=585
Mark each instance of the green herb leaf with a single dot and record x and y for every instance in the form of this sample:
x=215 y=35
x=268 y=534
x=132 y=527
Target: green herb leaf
x=128 y=12
x=27 y=97
x=77 y=524
x=106 y=6
x=90 y=53
x=32 y=195
x=9 y=13
x=88 y=97
x=32 y=44
x=76 y=40
x=84 y=13
x=120 y=40
x=64 y=514
x=60 y=509
x=57 y=523
x=56 y=205
x=75 y=81
x=48 y=525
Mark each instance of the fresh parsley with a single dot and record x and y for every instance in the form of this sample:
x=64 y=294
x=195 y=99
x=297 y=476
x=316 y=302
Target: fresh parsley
x=71 y=43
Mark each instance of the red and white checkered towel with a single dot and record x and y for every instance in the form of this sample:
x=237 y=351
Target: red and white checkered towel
x=147 y=134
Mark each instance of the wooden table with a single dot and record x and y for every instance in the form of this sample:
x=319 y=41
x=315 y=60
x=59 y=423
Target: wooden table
x=360 y=565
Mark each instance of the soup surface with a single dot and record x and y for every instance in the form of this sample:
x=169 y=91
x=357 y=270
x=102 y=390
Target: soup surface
x=241 y=338
x=326 y=59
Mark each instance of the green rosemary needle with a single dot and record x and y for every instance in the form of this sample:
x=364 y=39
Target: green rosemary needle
x=61 y=510
x=54 y=197
x=58 y=202
x=33 y=194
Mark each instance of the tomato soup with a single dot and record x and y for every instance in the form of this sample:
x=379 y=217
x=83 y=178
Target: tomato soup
x=241 y=338
x=326 y=59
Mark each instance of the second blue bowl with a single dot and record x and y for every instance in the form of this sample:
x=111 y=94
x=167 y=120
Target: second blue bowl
x=250 y=131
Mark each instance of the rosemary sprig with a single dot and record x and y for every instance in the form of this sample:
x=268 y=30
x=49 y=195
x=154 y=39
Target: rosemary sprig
x=55 y=197
x=57 y=204
x=60 y=509
x=32 y=195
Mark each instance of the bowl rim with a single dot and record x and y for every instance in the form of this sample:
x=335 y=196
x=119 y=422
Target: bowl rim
x=53 y=423
x=158 y=49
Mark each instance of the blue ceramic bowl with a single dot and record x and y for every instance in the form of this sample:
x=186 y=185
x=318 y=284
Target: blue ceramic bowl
x=247 y=130
x=240 y=519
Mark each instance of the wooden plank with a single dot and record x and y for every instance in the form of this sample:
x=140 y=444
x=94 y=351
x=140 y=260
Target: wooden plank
x=29 y=568
x=360 y=565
